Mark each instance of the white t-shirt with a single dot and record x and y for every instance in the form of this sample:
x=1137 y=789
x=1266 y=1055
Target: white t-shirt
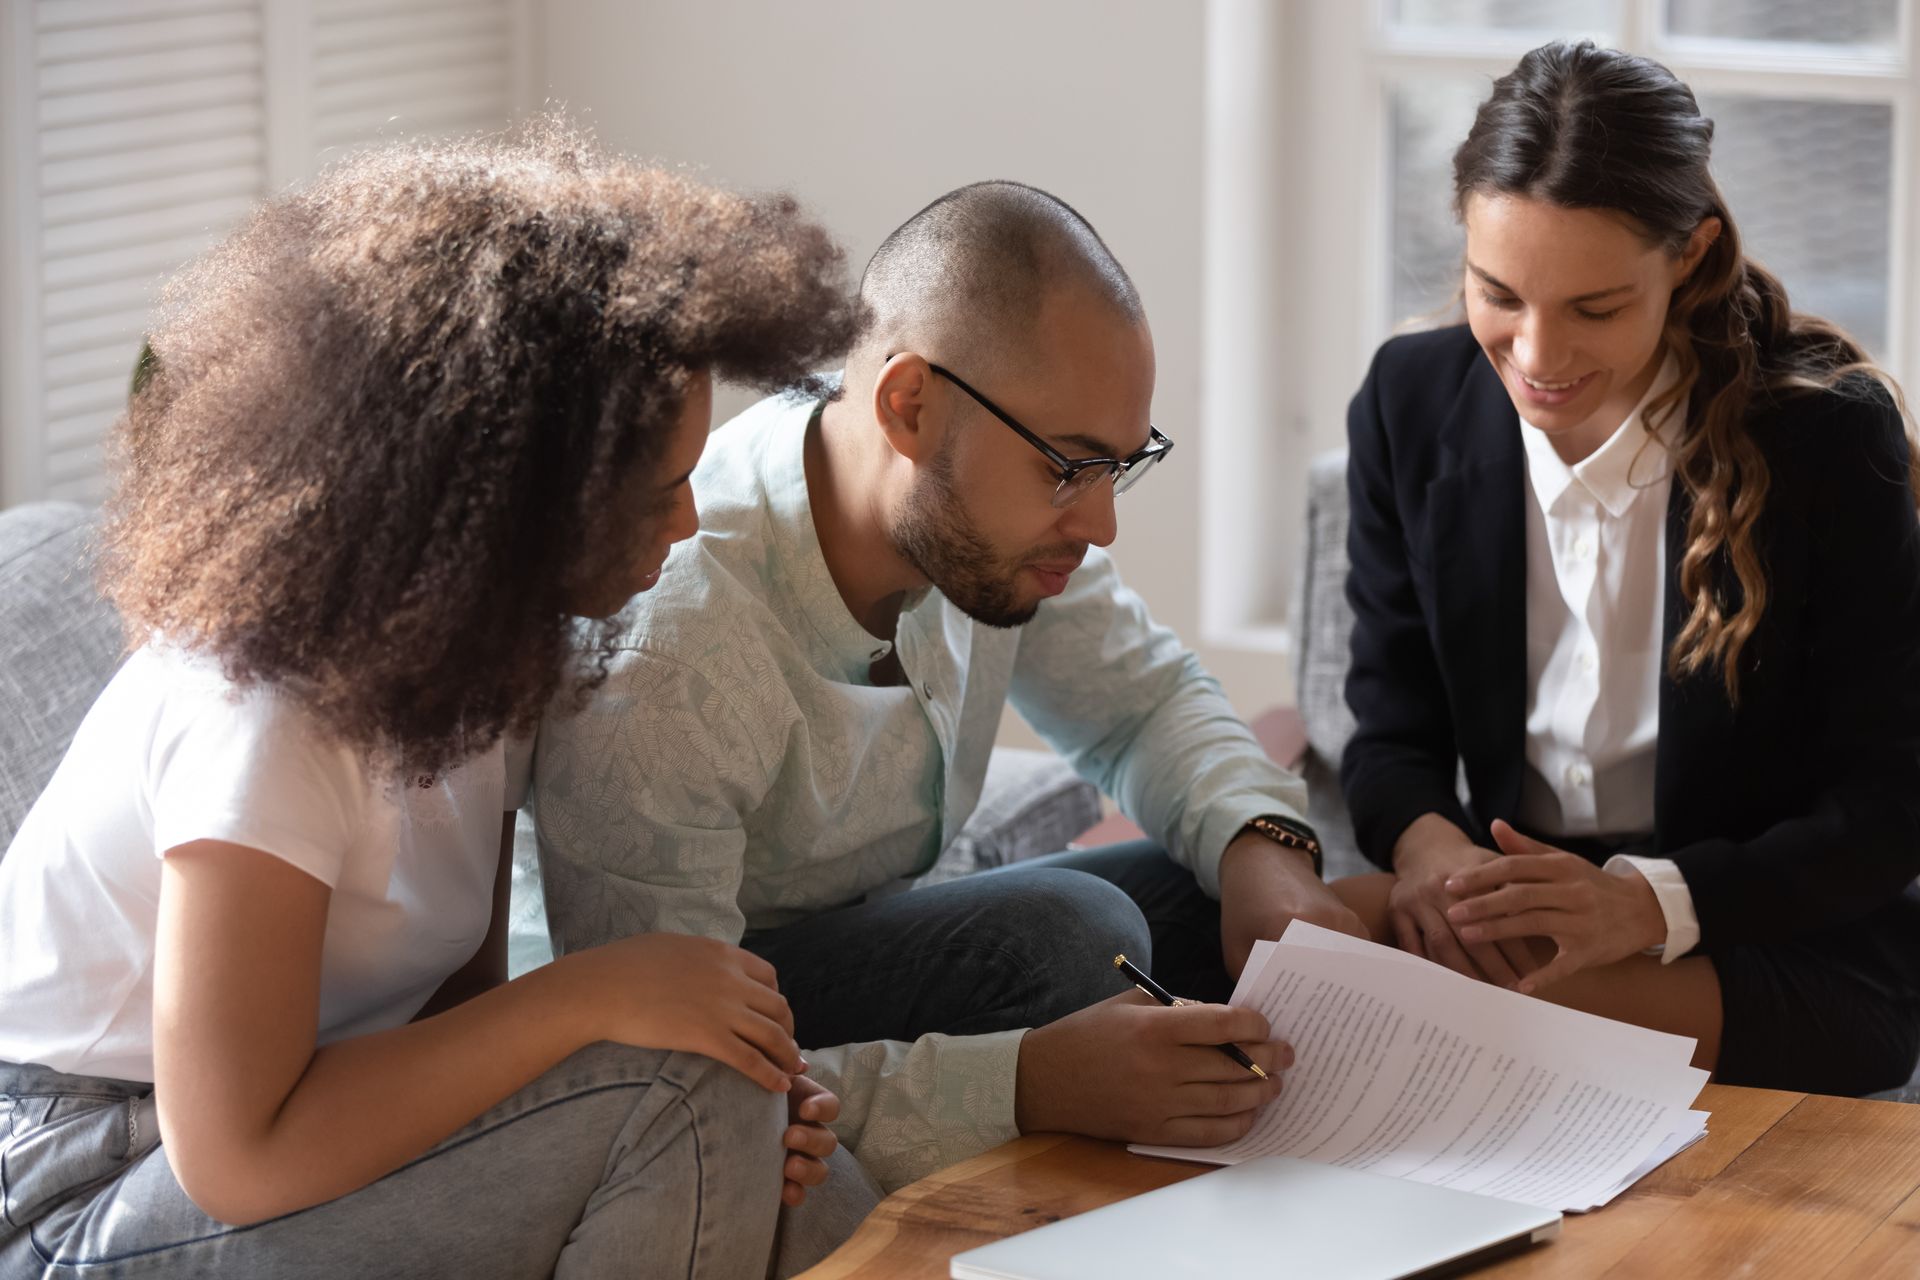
x=172 y=752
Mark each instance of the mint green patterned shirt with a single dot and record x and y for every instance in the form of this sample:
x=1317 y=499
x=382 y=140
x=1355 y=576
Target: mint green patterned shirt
x=739 y=769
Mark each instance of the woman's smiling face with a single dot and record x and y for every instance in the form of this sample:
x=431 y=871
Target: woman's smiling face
x=1570 y=306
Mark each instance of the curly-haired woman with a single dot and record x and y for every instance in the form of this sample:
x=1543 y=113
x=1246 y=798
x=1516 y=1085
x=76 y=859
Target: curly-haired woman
x=404 y=428
x=1637 y=547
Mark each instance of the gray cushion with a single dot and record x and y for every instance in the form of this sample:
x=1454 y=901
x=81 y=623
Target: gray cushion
x=1031 y=804
x=1323 y=621
x=59 y=645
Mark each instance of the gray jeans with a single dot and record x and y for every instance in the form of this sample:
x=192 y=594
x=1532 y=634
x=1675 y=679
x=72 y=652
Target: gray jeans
x=619 y=1161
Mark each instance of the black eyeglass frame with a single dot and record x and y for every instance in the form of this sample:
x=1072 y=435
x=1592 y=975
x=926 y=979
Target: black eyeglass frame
x=1125 y=471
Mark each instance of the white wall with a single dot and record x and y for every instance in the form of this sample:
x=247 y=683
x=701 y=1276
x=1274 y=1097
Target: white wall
x=867 y=110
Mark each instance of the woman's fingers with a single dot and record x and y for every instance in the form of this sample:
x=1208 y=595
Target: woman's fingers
x=1407 y=934
x=769 y=1004
x=1493 y=964
x=751 y=1061
x=1442 y=946
x=1530 y=895
x=1546 y=924
x=1519 y=954
x=1563 y=965
x=1491 y=875
x=758 y=969
x=771 y=1039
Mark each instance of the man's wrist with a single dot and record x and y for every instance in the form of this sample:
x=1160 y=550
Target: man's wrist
x=1289 y=834
x=1250 y=847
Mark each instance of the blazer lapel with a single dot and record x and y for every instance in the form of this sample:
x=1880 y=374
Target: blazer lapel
x=1477 y=544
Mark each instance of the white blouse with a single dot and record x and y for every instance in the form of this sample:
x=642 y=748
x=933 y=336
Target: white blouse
x=1596 y=579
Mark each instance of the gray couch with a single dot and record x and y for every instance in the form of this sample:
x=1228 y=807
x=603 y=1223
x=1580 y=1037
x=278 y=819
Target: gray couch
x=59 y=644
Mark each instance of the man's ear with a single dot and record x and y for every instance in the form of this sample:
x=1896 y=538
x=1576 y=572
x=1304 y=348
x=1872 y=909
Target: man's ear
x=909 y=407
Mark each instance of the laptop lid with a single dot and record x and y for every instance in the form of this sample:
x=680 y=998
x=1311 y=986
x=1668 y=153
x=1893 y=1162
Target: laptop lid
x=1274 y=1216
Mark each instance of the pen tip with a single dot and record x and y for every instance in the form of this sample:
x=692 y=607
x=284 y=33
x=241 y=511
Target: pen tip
x=1257 y=1071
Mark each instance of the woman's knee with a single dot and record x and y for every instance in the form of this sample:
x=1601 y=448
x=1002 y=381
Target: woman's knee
x=722 y=1105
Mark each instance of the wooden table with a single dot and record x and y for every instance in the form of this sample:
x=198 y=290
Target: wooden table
x=1784 y=1184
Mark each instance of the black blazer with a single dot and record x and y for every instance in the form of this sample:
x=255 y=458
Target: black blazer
x=1796 y=810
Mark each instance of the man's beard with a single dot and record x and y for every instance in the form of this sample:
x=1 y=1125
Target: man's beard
x=937 y=537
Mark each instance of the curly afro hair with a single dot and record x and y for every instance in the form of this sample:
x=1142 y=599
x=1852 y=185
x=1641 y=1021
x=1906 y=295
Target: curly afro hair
x=390 y=419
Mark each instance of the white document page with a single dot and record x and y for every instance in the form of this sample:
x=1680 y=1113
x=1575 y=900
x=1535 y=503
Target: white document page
x=1673 y=1146
x=1656 y=1046
x=1410 y=1070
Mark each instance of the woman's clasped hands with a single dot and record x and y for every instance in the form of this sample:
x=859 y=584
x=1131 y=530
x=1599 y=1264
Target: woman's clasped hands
x=1536 y=892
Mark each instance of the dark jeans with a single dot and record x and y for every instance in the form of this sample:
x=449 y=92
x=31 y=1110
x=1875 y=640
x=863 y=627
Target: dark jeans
x=1018 y=946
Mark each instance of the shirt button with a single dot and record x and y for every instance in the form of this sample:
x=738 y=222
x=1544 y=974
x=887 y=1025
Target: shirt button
x=879 y=653
x=1583 y=547
x=1577 y=775
x=926 y=691
x=1588 y=661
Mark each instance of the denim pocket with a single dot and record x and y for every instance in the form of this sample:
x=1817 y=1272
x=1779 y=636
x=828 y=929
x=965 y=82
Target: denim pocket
x=55 y=1146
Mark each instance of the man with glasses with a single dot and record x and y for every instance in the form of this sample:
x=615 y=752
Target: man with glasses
x=802 y=713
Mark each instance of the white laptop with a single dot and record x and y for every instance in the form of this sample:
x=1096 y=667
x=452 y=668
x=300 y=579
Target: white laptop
x=1274 y=1216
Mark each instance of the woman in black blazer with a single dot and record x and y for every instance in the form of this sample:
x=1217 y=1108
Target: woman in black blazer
x=1635 y=556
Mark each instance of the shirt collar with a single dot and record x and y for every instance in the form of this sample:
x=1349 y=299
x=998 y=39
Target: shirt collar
x=804 y=575
x=1634 y=458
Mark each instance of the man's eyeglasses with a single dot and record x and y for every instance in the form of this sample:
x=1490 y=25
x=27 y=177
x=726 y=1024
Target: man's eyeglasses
x=1077 y=475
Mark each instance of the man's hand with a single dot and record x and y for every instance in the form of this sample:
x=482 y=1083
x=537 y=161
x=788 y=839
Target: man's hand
x=1136 y=1071
x=1427 y=854
x=1592 y=916
x=1263 y=886
x=811 y=1107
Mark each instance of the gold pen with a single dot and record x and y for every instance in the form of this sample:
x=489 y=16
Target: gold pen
x=1149 y=987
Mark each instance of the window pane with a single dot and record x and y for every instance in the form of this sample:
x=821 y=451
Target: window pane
x=1427 y=119
x=1832 y=252
x=1826 y=22
x=1810 y=185
x=1573 y=17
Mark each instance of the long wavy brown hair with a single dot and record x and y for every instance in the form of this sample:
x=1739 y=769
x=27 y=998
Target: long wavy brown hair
x=391 y=419
x=1589 y=128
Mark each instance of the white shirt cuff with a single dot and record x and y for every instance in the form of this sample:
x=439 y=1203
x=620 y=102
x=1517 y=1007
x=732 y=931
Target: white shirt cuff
x=1676 y=901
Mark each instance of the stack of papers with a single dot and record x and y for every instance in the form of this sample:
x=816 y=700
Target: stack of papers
x=1405 y=1068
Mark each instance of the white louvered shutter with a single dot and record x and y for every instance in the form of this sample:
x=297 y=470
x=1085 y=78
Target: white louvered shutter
x=148 y=141
x=383 y=69
x=139 y=131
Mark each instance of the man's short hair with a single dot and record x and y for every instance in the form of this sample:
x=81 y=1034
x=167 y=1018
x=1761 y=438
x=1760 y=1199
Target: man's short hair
x=966 y=275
